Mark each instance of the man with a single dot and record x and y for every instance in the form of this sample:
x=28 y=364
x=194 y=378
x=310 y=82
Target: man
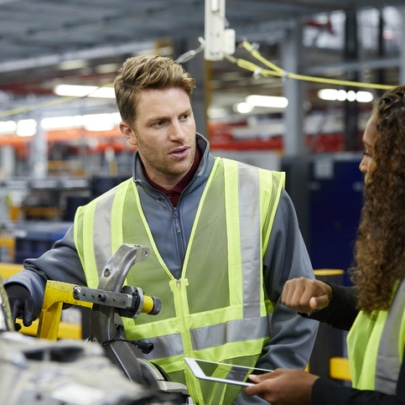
x=223 y=239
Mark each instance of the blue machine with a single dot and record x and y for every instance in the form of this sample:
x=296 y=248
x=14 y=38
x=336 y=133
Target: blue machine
x=327 y=191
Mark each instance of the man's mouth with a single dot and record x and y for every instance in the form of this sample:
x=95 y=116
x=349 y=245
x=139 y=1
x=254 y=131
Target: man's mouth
x=180 y=152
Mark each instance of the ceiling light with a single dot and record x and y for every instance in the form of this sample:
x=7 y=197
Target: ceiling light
x=267 y=101
x=103 y=92
x=100 y=122
x=72 y=64
x=216 y=113
x=243 y=108
x=364 y=97
x=328 y=94
x=73 y=90
x=26 y=127
x=61 y=122
x=91 y=122
x=84 y=91
x=343 y=95
x=107 y=68
x=7 y=127
x=351 y=95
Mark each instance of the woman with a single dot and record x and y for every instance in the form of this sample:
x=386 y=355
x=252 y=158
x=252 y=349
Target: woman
x=373 y=309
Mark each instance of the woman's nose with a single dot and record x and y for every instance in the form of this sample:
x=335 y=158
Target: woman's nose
x=363 y=165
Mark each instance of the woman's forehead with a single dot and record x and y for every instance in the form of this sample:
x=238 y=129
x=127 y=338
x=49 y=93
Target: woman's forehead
x=370 y=132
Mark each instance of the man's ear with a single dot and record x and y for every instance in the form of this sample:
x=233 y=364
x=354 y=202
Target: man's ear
x=128 y=133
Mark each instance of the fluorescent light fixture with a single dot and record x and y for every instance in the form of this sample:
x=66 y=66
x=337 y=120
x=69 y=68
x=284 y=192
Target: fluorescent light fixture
x=98 y=122
x=267 y=101
x=26 y=127
x=343 y=95
x=103 y=92
x=8 y=127
x=73 y=90
x=364 y=97
x=216 y=113
x=84 y=91
x=61 y=122
x=243 y=108
x=351 y=96
x=91 y=122
x=253 y=101
x=107 y=68
x=72 y=64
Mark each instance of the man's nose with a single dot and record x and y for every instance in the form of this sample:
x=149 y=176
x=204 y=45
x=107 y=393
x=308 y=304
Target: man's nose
x=176 y=131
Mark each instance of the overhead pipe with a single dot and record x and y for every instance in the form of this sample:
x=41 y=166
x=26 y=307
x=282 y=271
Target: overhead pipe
x=85 y=54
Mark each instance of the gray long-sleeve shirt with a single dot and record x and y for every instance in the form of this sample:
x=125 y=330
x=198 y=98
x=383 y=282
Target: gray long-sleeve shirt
x=285 y=257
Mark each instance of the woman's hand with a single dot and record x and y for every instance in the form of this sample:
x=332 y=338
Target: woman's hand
x=306 y=295
x=283 y=387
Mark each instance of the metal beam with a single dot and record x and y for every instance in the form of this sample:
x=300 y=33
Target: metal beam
x=339 y=68
x=85 y=54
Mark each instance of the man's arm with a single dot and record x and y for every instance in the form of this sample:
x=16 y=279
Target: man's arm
x=60 y=263
x=293 y=336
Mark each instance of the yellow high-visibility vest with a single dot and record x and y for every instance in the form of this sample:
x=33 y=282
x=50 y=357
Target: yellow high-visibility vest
x=376 y=346
x=218 y=310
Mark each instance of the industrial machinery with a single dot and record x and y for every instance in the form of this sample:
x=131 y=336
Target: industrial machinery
x=77 y=372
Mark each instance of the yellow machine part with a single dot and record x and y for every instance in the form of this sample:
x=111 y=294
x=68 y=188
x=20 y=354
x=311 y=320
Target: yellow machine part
x=49 y=325
x=339 y=368
x=57 y=294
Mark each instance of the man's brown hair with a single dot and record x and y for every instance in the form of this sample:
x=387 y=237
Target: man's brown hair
x=147 y=72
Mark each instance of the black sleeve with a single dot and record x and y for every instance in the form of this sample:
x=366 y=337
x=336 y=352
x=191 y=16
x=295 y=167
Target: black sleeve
x=327 y=392
x=341 y=311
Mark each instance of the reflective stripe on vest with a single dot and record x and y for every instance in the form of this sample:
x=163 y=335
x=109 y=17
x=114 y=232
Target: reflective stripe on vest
x=217 y=310
x=376 y=346
x=390 y=350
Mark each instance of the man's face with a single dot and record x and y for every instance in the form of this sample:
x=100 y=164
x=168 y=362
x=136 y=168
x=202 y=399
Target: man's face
x=164 y=132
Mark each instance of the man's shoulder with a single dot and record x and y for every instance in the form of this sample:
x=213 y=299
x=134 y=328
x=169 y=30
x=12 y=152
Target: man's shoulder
x=110 y=193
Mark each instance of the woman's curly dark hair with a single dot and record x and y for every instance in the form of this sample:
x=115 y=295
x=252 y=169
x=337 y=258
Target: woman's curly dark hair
x=380 y=245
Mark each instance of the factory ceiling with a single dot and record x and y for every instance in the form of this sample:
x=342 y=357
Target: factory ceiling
x=48 y=42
